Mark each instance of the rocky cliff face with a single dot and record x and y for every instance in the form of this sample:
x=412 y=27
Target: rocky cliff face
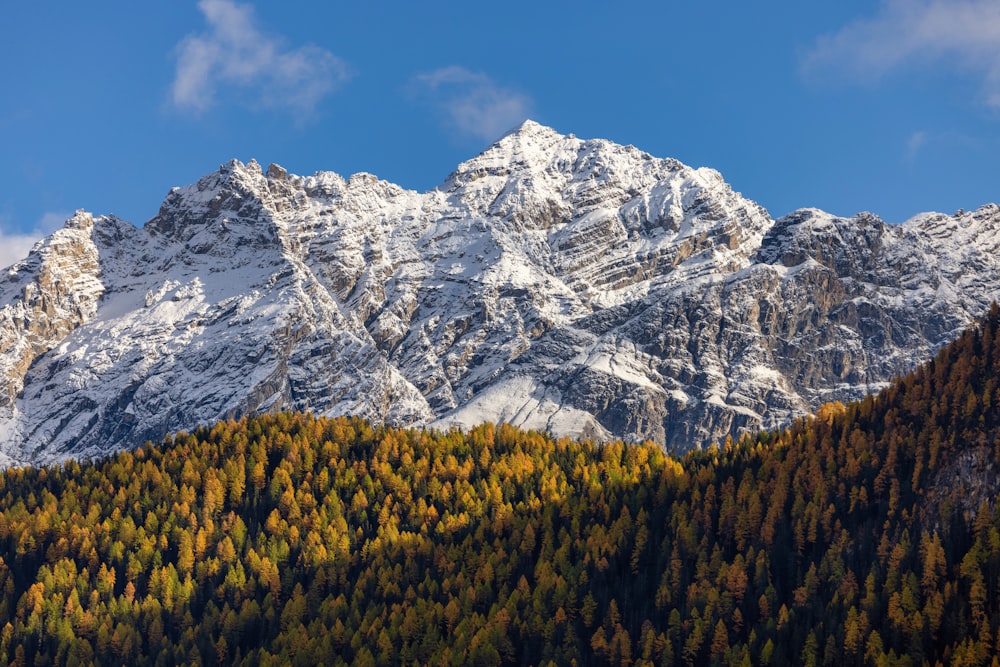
x=580 y=287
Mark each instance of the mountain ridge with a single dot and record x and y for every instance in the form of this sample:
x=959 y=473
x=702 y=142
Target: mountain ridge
x=577 y=286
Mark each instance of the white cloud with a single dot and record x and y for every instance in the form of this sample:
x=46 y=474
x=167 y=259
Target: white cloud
x=15 y=246
x=235 y=57
x=472 y=102
x=962 y=33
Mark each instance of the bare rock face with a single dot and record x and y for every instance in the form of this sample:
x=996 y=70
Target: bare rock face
x=575 y=286
x=45 y=298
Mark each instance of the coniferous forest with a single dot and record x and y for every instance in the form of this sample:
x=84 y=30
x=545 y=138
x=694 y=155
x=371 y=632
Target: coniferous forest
x=868 y=534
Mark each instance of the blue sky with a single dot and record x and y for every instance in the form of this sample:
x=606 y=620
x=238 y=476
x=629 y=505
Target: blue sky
x=890 y=106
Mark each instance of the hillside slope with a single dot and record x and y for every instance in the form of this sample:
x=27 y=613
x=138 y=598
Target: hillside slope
x=869 y=534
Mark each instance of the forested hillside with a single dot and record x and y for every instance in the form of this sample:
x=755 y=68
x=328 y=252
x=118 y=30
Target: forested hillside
x=866 y=535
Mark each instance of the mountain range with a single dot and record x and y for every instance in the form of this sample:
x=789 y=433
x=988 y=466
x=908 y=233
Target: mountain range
x=574 y=286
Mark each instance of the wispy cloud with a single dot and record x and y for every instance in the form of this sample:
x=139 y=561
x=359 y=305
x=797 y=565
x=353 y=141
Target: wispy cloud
x=234 y=57
x=907 y=33
x=14 y=246
x=471 y=102
x=914 y=143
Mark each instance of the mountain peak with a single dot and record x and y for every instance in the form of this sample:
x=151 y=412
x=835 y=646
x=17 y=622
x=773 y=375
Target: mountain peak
x=527 y=143
x=80 y=219
x=234 y=192
x=531 y=129
x=577 y=286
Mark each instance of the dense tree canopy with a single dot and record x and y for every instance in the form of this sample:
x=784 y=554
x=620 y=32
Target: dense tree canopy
x=868 y=534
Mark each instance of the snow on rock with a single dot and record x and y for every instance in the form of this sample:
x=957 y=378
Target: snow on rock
x=571 y=285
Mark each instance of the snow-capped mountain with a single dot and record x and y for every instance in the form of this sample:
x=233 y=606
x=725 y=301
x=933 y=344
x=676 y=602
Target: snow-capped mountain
x=581 y=287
